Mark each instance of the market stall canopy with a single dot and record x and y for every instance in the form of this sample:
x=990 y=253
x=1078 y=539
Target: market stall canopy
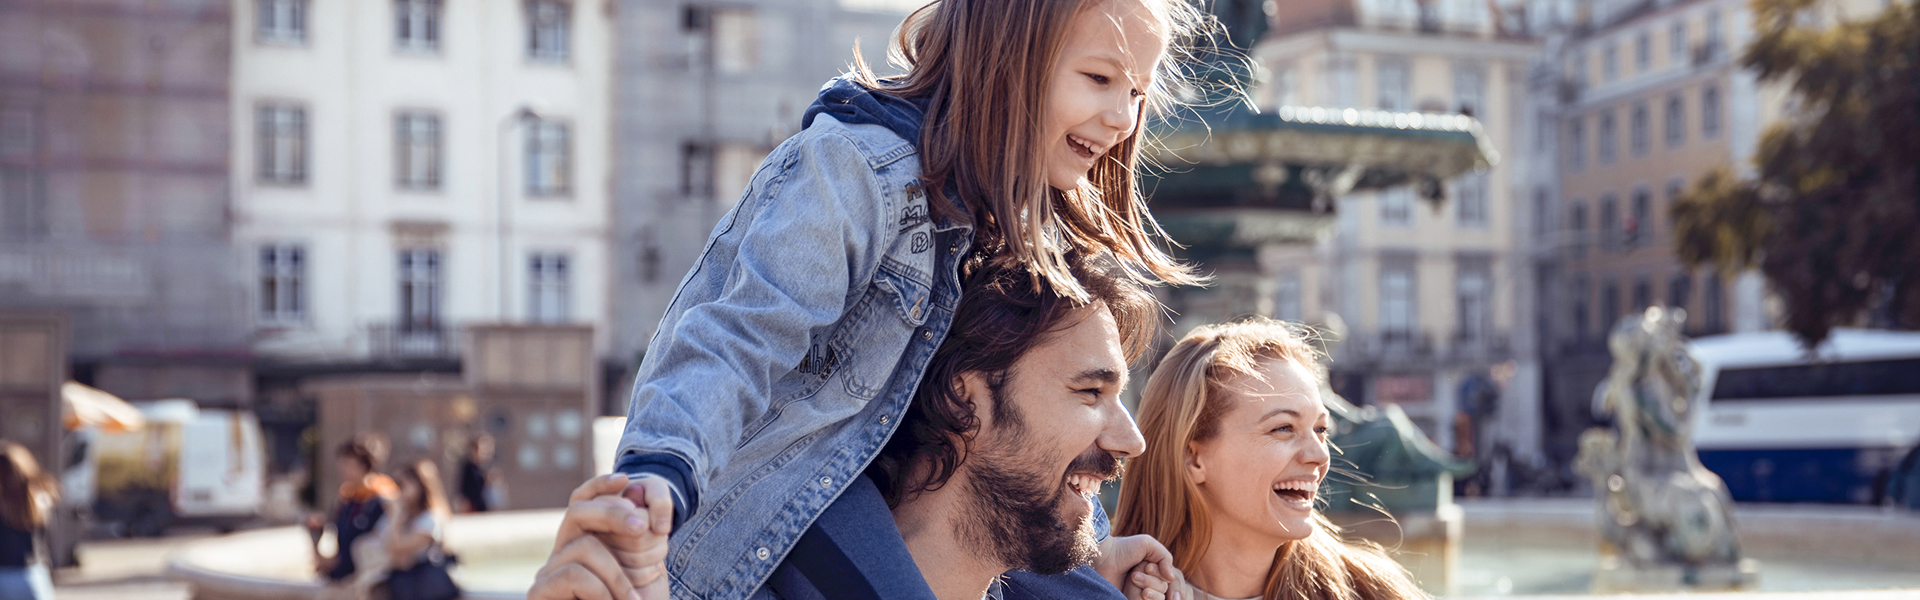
x=84 y=406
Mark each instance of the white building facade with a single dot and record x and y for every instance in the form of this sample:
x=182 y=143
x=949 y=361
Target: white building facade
x=404 y=167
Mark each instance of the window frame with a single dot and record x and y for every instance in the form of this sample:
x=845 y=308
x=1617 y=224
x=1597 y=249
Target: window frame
x=282 y=288
x=270 y=148
x=418 y=25
x=404 y=144
x=558 y=52
x=535 y=141
x=275 y=33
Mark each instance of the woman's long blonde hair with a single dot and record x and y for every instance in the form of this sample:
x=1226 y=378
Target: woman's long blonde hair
x=984 y=68
x=26 y=492
x=1183 y=403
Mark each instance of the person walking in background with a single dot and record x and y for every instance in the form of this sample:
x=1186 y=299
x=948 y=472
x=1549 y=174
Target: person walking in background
x=416 y=528
x=473 y=475
x=362 y=504
x=27 y=496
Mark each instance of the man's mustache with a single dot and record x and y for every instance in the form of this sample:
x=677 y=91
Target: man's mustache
x=1096 y=462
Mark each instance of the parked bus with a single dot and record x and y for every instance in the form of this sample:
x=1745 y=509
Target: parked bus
x=1781 y=425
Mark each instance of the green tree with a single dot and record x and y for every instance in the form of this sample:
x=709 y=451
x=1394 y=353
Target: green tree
x=1832 y=214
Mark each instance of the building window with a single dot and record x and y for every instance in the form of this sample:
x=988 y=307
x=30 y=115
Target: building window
x=548 y=30
x=1609 y=139
x=1582 y=303
x=1473 y=286
x=728 y=39
x=1392 y=83
x=1542 y=211
x=1469 y=89
x=1716 y=318
x=696 y=169
x=416 y=24
x=1676 y=120
x=1286 y=306
x=1640 y=225
x=1609 y=305
x=23 y=204
x=1579 y=68
x=1642 y=294
x=1342 y=81
x=547 y=289
x=280 y=21
x=1675 y=188
x=1677 y=42
x=1577 y=222
x=1396 y=205
x=1610 y=62
x=419 y=289
x=1397 y=317
x=282 y=151
x=1710 y=111
x=1577 y=144
x=283 y=273
x=1679 y=287
x=1609 y=222
x=549 y=158
x=416 y=144
x=1643 y=52
x=1470 y=194
x=1713 y=29
x=1639 y=129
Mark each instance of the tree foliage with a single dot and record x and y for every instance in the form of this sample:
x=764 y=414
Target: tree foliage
x=1832 y=214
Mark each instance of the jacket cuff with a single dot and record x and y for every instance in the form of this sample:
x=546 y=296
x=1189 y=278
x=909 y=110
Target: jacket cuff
x=675 y=470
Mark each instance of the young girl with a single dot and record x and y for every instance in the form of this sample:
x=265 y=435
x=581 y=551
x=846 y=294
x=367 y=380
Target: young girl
x=1236 y=448
x=27 y=497
x=792 y=348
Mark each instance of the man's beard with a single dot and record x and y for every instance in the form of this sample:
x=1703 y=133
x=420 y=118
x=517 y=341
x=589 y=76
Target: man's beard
x=1013 y=506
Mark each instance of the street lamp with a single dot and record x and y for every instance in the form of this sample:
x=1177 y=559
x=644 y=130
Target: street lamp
x=506 y=129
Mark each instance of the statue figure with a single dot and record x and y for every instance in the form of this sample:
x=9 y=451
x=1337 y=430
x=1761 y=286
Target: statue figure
x=1666 y=521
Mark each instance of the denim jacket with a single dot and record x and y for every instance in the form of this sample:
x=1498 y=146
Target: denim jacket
x=791 y=350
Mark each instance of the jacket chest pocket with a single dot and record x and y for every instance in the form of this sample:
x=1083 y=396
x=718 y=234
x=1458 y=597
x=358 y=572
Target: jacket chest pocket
x=881 y=326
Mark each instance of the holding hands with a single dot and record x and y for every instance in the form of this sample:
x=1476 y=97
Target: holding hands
x=1140 y=567
x=612 y=543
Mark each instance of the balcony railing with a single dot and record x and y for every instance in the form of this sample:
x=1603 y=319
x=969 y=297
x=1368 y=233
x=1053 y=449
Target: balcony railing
x=402 y=341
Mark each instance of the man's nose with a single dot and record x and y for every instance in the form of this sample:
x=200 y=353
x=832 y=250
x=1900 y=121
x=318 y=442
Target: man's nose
x=1121 y=436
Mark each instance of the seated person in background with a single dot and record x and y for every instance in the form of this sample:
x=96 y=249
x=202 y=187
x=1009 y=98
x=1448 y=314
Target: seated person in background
x=986 y=490
x=363 y=496
x=1236 y=450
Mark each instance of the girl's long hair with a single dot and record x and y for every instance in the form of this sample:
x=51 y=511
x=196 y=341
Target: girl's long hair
x=984 y=66
x=26 y=492
x=1183 y=403
x=433 y=496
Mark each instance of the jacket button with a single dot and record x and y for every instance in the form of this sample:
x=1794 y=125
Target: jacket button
x=885 y=419
x=826 y=482
x=762 y=553
x=926 y=334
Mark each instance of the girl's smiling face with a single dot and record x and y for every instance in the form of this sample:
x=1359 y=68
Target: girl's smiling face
x=1098 y=86
x=1262 y=470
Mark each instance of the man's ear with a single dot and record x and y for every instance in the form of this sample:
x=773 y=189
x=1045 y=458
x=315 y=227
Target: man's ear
x=1196 y=468
x=973 y=388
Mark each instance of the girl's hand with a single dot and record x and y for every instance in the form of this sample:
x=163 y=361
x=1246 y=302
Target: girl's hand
x=1151 y=582
x=606 y=548
x=1121 y=555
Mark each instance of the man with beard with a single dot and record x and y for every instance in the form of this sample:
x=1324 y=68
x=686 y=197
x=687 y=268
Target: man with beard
x=986 y=489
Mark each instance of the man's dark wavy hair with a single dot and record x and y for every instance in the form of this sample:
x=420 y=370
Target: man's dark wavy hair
x=1002 y=315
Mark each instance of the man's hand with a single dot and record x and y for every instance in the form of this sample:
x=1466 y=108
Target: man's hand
x=1137 y=563
x=610 y=547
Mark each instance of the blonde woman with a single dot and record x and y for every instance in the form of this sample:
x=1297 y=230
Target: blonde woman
x=1236 y=450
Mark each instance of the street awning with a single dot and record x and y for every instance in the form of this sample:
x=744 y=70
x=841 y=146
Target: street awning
x=84 y=406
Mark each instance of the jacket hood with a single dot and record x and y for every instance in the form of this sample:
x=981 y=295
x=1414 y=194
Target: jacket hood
x=852 y=103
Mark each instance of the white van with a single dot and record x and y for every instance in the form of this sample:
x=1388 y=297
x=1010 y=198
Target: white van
x=187 y=465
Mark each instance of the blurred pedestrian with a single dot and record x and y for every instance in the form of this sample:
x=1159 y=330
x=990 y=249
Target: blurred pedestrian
x=473 y=475
x=416 y=528
x=27 y=497
x=362 y=505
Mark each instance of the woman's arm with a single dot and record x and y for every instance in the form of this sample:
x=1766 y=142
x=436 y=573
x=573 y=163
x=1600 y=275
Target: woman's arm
x=405 y=542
